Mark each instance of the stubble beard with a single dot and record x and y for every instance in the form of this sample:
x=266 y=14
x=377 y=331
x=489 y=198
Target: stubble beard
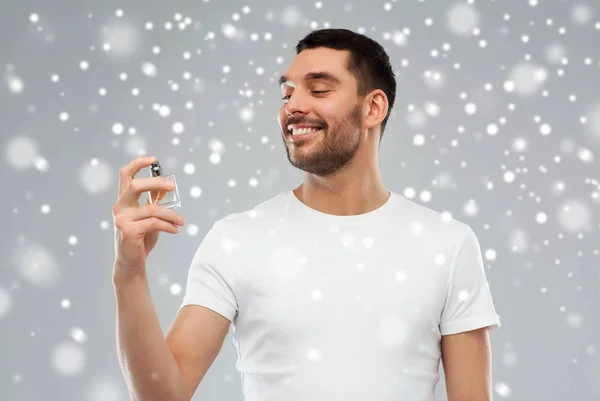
x=329 y=154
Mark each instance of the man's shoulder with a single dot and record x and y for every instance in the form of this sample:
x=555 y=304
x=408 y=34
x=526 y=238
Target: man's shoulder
x=250 y=219
x=424 y=219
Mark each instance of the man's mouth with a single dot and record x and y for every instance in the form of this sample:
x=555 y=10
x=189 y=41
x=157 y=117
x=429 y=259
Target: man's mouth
x=298 y=130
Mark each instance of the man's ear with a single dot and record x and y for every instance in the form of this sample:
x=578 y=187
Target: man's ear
x=375 y=108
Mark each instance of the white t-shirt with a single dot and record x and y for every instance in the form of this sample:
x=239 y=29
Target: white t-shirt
x=331 y=308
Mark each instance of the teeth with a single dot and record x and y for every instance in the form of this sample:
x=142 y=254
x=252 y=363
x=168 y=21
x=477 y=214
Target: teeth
x=304 y=131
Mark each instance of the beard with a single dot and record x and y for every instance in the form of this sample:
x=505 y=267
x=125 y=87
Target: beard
x=327 y=155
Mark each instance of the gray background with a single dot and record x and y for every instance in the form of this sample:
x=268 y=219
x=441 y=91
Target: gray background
x=529 y=187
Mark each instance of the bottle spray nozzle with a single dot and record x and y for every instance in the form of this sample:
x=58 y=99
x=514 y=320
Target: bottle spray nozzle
x=155 y=169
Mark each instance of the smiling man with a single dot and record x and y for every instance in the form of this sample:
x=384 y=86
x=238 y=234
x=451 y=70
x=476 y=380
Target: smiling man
x=338 y=289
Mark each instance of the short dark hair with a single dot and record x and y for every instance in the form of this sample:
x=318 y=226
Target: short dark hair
x=368 y=61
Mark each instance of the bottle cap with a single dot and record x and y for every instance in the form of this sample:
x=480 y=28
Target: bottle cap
x=155 y=169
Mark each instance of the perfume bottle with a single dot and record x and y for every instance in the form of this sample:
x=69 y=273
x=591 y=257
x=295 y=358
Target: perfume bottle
x=168 y=199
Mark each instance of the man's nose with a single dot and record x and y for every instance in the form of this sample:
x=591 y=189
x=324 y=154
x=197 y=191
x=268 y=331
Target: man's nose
x=297 y=104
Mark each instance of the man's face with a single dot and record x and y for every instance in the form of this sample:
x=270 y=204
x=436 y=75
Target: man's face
x=327 y=101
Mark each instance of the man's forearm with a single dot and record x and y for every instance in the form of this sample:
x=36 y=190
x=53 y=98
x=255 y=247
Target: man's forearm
x=148 y=365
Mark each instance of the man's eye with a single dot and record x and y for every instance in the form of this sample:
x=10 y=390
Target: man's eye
x=316 y=92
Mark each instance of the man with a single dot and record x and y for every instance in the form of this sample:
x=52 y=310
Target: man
x=338 y=289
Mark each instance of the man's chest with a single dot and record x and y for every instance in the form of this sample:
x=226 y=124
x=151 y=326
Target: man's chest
x=320 y=296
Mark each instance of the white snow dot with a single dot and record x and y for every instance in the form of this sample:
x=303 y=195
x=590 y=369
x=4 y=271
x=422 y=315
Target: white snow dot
x=409 y=192
x=470 y=108
x=503 y=390
x=463 y=295
x=492 y=129
x=118 y=128
x=96 y=176
x=541 y=217
x=462 y=19
x=520 y=144
x=399 y=38
x=164 y=111
x=189 y=168
x=230 y=31
x=574 y=320
x=291 y=16
x=471 y=208
x=440 y=259
x=5 y=302
x=21 y=152
x=585 y=155
x=509 y=86
x=78 y=335
x=581 y=14
x=417 y=228
x=195 y=192
x=247 y=114
x=528 y=78
x=149 y=69
x=68 y=359
x=545 y=129
x=509 y=176
x=178 y=128
x=15 y=84
x=490 y=254
x=215 y=158
x=575 y=216
x=105 y=389
x=418 y=140
x=400 y=276
x=313 y=354
x=36 y=264
x=192 y=229
x=175 y=289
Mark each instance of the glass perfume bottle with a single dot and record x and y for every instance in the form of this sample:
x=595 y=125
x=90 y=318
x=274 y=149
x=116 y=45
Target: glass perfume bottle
x=168 y=199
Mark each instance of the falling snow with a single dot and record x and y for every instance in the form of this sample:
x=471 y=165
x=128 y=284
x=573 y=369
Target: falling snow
x=496 y=123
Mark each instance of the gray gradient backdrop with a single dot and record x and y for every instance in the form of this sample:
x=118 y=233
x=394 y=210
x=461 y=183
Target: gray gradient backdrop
x=497 y=121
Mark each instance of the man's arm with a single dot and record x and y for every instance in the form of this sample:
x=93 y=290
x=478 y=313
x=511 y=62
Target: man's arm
x=466 y=358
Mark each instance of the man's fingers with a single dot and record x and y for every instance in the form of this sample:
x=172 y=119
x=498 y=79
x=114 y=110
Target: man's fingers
x=128 y=171
x=162 y=213
x=138 y=186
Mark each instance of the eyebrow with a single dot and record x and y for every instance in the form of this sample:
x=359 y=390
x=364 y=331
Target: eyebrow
x=311 y=76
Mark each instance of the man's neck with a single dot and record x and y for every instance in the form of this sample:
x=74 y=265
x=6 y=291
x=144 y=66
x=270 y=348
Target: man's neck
x=343 y=194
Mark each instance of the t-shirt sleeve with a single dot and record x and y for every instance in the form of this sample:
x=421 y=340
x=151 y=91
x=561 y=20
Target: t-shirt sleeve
x=207 y=281
x=469 y=303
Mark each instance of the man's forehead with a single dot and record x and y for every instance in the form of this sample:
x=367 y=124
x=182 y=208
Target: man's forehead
x=316 y=64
